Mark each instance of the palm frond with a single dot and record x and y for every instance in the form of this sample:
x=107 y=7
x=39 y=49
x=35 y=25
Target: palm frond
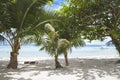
x=63 y=46
x=64 y=43
x=77 y=42
x=49 y=28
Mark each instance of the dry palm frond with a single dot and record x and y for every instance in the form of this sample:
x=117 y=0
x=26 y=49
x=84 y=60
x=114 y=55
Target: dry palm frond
x=49 y=28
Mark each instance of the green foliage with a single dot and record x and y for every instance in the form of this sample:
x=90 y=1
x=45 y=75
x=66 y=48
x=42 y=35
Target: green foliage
x=68 y=28
x=4 y=16
x=51 y=39
x=96 y=19
x=21 y=14
x=102 y=15
x=51 y=42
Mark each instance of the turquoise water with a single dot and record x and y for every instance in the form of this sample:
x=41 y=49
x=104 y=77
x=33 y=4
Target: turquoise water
x=96 y=51
x=89 y=51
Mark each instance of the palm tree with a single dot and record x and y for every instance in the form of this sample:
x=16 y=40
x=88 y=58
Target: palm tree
x=63 y=47
x=69 y=30
x=55 y=46
x=19 y=17
x=50 y=43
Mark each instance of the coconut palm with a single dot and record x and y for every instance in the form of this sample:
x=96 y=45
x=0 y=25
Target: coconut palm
x=67 y=30
x=17 y=18
x=55 y=46
x=50 y=43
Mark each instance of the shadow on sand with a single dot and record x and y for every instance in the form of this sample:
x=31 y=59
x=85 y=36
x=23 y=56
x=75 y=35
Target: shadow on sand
x=82 y=69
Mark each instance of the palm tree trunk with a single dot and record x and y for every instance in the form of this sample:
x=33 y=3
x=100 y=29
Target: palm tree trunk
x=13 y=61
x=57 y=63
x=13 y=55
x=66 y=60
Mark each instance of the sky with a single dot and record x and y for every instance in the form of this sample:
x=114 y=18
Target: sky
x=56 y=6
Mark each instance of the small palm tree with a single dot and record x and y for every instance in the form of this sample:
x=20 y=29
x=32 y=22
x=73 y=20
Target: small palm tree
x=63 y=47
x=50 y=43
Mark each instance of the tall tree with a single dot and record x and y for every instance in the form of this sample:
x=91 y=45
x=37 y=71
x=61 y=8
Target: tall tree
x=17 y=17
x=68 y=28
x=97 y=19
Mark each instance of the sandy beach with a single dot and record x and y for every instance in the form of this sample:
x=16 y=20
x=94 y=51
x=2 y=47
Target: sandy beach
x=79 y=69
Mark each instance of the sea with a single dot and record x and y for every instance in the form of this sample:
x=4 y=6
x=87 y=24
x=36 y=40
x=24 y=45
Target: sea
x=84 y=51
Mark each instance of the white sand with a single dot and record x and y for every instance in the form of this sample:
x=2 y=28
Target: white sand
x=79 y=69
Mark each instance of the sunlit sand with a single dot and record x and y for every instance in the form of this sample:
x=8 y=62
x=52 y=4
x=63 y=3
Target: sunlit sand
x=79 y=69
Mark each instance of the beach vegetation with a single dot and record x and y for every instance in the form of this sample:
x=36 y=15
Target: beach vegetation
x=29 y=21
x=95 y=19
x=17 y=18
x=54 y=45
